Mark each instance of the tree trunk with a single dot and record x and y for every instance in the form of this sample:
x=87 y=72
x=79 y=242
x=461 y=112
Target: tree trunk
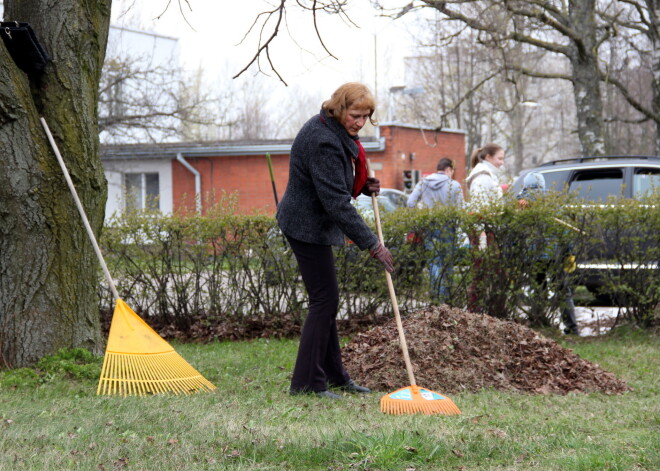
x=654 y=33
x=586 y=78
x=517 y=143
x=48 y=270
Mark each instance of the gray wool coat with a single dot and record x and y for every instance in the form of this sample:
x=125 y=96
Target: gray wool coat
x=316 y=206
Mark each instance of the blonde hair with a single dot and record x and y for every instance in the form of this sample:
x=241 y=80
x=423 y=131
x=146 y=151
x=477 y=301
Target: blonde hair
x=481 y=153
x=351 y=94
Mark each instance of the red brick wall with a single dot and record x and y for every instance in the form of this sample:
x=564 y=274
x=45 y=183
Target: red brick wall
x=248 y=175
x=428 y=147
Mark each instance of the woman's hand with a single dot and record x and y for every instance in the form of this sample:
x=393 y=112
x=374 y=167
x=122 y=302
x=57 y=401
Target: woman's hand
x=384 y=256
x=371 y=186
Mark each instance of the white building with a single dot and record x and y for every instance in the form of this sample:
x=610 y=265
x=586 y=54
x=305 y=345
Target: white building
x=137 y=183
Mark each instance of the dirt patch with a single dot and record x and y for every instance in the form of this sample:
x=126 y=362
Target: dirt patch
x=454 y=350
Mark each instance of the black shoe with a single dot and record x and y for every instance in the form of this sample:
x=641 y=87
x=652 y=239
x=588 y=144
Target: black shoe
x=324 y=394
x=569 y=331
x=354 y=388
x=327 y=395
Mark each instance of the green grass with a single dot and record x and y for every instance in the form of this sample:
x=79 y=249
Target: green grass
x=51 y=419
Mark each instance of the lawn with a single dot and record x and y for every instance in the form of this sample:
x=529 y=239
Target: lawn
x=50 y=420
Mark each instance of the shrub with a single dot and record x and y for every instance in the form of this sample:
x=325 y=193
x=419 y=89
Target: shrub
x=625 y=236
x=227 y=268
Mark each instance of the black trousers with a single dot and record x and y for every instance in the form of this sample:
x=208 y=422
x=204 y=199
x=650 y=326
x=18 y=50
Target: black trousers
x=319 y=356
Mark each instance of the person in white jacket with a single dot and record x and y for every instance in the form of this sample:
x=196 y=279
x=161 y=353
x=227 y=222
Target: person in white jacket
x=483 y=182
x=484 y=190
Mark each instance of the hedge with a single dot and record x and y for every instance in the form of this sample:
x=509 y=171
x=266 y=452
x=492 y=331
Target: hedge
x=177 y=269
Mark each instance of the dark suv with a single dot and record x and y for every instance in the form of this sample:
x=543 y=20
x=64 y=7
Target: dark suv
x=593 y=180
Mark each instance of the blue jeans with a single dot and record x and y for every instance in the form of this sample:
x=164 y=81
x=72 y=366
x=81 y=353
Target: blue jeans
x=440 y=245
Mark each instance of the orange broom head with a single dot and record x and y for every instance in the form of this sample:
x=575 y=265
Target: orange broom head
x=139 y=362
x=416 y=400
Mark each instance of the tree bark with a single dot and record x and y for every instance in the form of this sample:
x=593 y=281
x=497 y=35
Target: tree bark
x=586 y=78
x=654 y=33
x=48 y=269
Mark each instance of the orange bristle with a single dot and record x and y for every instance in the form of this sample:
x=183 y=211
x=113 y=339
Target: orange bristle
x=416 y=400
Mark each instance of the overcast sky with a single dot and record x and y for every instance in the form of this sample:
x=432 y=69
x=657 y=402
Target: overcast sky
x=213 y=40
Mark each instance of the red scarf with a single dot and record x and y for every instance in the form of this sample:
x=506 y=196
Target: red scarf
x=360 y=170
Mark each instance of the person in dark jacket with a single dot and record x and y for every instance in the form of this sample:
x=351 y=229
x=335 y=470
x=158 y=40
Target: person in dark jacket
x=533 y=187
x=327 y=168
x=440 y=242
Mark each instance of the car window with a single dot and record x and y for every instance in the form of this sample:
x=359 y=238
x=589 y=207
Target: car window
x=363 y=203
x=597 y=184
x=556 y=181
x=645 y=182
x=397 y=198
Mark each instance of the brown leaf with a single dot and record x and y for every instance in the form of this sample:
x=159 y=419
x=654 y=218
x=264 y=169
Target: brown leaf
x=476 y=419
x=120 y=463
x=458 y=453
x=234 y=454
x=172 y=441
x=521 y=458
x=487 y=353
x=497 y=432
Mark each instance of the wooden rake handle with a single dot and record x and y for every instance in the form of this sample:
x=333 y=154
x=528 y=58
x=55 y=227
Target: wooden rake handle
x=390 y=287
x=81 y=210
x=573 y=228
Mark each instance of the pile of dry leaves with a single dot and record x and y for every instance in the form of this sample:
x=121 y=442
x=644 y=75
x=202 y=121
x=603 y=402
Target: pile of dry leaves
x=454 y=350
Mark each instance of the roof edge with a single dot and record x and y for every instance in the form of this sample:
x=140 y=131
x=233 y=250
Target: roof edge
x=214 y=151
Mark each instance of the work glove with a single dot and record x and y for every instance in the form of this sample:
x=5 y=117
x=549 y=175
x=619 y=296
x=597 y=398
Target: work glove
x=384 y=256
x=371 y=186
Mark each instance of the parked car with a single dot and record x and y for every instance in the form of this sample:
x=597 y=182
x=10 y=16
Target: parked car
x=596 y=178
x=398 y=198
x=593 y=180
x=389 y=199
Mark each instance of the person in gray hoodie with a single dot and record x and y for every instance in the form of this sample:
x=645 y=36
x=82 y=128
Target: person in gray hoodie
x=438 y=188
x=440 y=242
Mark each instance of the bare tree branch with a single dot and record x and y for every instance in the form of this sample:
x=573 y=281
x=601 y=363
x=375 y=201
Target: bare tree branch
x=623 y=89
x=183 y=14
x=318 y=33
x=264 y=47
x=542 y=75
x=267 y=37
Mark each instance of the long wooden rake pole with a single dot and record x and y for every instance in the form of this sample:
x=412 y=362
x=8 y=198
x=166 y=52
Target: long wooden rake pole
x=137 y=360
x=411 y=399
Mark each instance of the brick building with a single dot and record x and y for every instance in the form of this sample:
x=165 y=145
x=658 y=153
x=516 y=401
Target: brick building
x=169 y=176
